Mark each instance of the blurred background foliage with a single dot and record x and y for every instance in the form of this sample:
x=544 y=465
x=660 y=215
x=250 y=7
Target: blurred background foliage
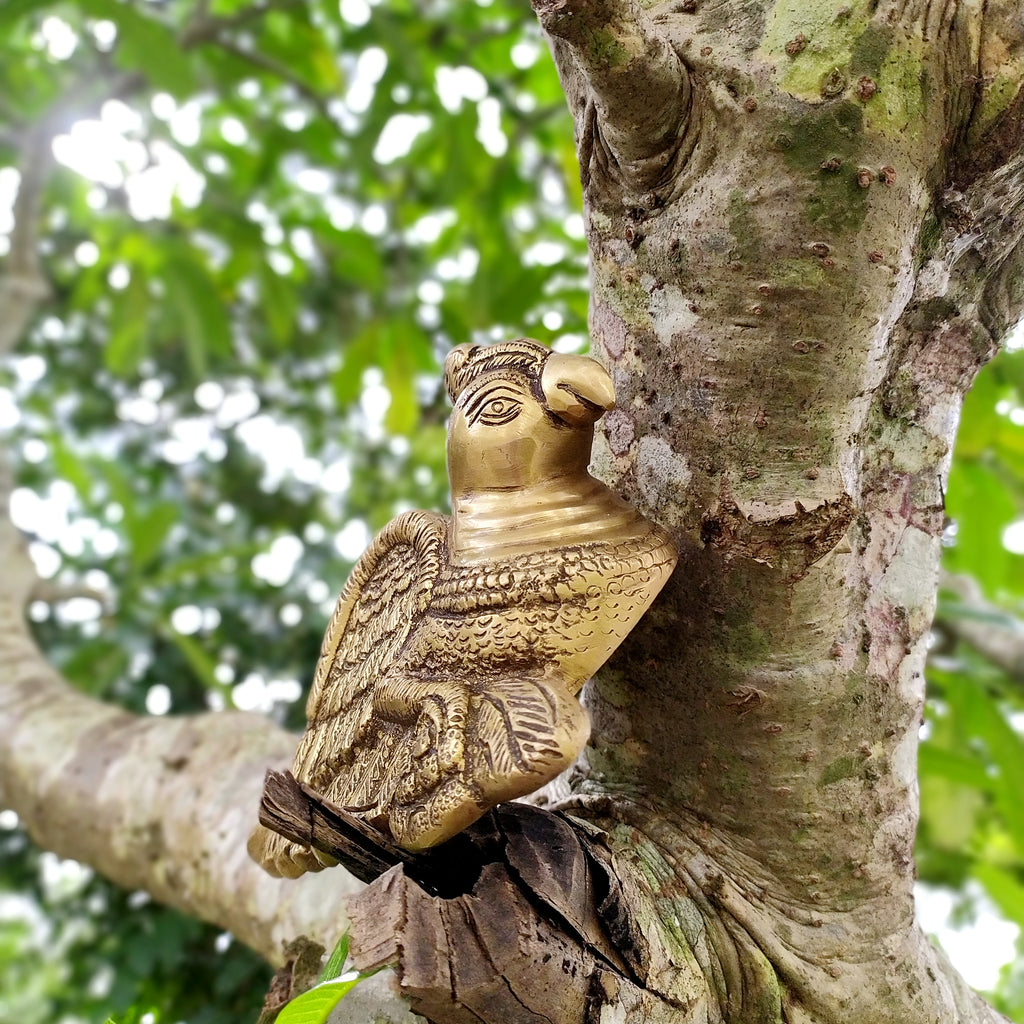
x=236 y=239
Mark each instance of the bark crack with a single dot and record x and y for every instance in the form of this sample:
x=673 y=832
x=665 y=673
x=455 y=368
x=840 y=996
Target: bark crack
x=791 y=543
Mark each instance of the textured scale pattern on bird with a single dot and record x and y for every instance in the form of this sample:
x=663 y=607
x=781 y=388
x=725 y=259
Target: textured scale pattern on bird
x=448 y=675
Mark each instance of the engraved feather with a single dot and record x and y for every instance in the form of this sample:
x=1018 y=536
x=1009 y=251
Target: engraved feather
x=448 y=674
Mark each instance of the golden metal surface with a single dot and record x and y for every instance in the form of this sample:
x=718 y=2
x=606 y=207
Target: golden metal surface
x=449 y=671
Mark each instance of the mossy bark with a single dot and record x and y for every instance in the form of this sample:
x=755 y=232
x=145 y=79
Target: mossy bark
x=792 y=313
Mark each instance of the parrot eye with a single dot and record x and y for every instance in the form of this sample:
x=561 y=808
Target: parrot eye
x=497 y=406
x=500 y=410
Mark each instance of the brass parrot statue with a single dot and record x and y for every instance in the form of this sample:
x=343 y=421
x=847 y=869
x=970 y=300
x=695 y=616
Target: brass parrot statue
x=448 y=675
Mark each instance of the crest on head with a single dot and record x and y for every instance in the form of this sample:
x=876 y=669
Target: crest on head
x=467 y=363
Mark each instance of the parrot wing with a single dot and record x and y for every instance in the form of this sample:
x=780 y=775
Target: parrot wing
x=348 y=753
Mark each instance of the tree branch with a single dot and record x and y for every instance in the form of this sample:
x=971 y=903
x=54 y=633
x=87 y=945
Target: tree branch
x=638 y=84
x=991 y=631
x=587 y=895
x=295 y=811
x=583 y=891
x=23 y=286
x=161 y=804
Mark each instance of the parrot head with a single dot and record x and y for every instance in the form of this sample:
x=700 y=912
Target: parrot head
x=522 y=416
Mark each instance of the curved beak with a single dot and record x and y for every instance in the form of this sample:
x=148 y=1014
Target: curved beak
x=577 y=389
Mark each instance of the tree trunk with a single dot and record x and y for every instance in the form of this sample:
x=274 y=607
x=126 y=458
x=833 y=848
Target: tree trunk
x=804 y=224
x=805 y=230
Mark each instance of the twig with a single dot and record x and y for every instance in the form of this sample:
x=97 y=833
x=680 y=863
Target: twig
x=299 y=813
x=54 y=593
x=204 y=28
x=281 y=71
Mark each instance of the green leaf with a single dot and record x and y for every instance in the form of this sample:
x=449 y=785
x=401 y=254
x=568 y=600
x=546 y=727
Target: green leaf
x=362 y=352
x=324 y=70
x=119 y=487
x=977 y=499
x=195 y=304
x=979 y=419
x=979 y=718
x=223 y=7
x=335 y=962
x=199 y=661
x=128 y=342
x=1007 y=751
x=71 y=467
x=399 y=375
x=949 y=811
x=208 y=564
x=131 y=1016
x=1005 y=888
x=934 y=761
x=95 y=666
x=314 y=1006
x=400 y=350
x=278 y=304
x=148 y=530
x=11 y=10
x=145 y=44
x=357 y=260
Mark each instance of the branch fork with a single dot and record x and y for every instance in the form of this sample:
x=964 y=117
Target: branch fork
x=632 y=89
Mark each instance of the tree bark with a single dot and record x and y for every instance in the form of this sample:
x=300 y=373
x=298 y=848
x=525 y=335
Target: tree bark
x=805 y=231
